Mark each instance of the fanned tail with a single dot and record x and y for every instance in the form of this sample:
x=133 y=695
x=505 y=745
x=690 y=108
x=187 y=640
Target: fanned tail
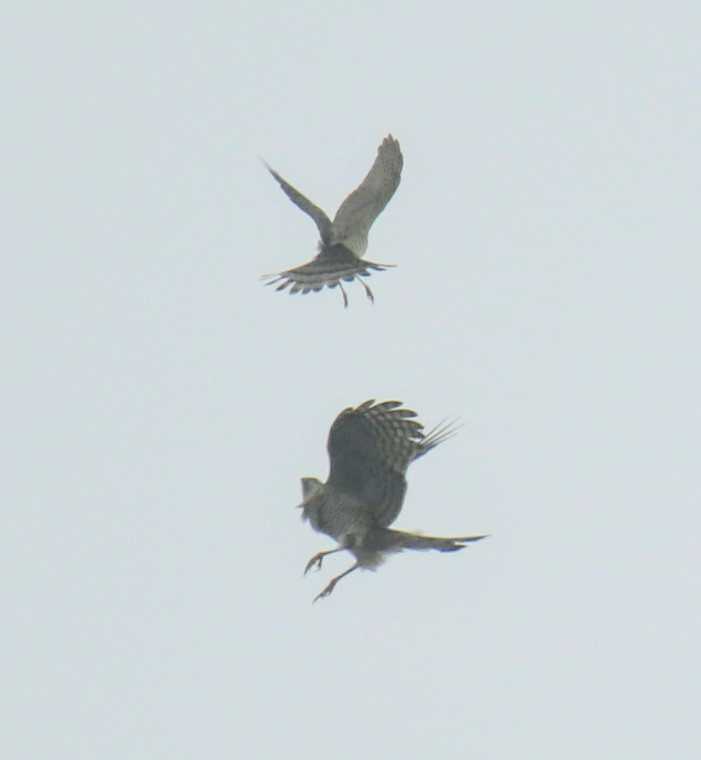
x=331 y=268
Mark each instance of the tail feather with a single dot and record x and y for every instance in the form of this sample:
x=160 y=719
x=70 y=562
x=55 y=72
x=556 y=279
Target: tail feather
x=334 y=265
x=397 y=540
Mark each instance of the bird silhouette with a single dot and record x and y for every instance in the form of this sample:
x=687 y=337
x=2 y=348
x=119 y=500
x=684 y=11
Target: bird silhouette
x=344 y=240
x=370 y=449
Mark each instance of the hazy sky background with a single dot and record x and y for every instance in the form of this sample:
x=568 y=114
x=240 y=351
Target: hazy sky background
x=160 y=405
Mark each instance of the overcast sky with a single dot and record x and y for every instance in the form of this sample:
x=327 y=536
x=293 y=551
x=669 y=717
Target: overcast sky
x=161 y=404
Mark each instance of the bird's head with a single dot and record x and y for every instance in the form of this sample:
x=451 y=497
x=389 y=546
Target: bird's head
x=311 y=487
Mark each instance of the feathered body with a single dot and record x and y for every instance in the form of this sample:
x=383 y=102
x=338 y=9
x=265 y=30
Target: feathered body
x=344 y=240
x=370 y=449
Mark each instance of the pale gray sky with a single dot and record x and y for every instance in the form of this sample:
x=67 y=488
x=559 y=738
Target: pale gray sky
x=161 y=405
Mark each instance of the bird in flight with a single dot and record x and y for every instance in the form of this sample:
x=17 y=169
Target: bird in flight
x=344 y=241
x=370 y=449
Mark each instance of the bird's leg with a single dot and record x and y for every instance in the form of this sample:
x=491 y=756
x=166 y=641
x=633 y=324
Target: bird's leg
x=368 y=292
x=317 y=559
x=343 y=293
x=333 y=583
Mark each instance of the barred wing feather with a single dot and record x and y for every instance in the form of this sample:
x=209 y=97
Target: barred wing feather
x=370 y=448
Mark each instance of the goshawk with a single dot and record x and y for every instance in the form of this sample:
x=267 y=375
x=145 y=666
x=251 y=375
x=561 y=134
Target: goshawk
x=370 y=448
x=345 y=240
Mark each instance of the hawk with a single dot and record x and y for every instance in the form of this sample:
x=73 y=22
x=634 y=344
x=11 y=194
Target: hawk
x=370 y=449
x=344 y=241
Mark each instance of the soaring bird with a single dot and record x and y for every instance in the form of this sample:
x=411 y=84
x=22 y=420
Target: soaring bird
x=370 y=449
x=344 y=241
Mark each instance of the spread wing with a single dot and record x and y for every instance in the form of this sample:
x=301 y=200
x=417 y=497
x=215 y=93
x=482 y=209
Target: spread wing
x=360 y=209
x=371 y=447
x=320 y=219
